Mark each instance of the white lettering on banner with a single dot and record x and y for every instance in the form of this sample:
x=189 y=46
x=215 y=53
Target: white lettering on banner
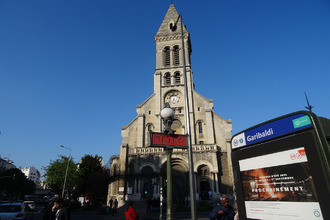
x=279 y=189
x=259 y=135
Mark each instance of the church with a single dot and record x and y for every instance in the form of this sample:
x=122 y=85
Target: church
x=139 y=171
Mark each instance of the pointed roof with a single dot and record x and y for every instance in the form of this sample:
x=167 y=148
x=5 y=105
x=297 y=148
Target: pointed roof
x=170 y=17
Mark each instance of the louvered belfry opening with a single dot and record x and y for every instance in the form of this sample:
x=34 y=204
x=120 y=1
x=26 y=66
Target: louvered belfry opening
x=167 y=56
x=176 y=55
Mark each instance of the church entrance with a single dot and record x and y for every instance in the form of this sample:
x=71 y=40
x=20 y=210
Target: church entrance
x=147 y=173
x=147 y=189
x=180 y=182
x=205 y=189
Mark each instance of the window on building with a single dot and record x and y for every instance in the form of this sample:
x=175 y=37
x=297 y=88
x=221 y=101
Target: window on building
x=200 y=127
x=201 y=142
x=167 y=56
x=167 y=78
x=177 y=78
x=176 y=55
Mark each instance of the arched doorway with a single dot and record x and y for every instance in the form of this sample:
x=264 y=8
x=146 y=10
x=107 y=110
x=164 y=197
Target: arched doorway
x=205 y=189
x=180 y=182
x=147 y=173
x=204 y=182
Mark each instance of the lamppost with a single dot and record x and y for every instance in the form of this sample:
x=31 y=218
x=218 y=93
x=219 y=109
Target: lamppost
x=67 y=167
x=156 y=184
x=187 y=111
x=167 y=115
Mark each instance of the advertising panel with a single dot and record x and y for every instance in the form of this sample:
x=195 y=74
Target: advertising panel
x=279 y=185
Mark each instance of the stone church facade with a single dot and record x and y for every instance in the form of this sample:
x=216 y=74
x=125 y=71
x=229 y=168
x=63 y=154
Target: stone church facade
x=139 y=171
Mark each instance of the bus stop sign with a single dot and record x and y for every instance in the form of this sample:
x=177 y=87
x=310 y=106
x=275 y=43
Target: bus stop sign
x=281 y=169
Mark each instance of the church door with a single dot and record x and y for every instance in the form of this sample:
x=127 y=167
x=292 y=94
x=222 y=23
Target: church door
x=205 y=189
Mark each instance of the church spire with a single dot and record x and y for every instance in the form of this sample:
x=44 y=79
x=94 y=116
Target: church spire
x=166 y=28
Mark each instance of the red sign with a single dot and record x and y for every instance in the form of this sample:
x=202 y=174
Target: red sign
x=164 y=140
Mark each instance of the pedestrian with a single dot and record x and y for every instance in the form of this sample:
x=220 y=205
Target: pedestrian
x=59 y=211
x=114 y=207
x=222 y=211
x=148 y=203
x=110 y=204
x=46 y=213
x=130 y=213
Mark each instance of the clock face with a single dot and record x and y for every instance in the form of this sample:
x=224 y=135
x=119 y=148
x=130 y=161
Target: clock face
x=173 y=97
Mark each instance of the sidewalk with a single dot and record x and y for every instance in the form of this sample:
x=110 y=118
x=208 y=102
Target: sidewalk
x=141 y=210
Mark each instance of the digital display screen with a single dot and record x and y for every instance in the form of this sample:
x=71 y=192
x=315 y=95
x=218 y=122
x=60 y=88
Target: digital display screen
x=279 y=185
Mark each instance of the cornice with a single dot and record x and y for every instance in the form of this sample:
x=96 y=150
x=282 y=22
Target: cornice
x=169 y=38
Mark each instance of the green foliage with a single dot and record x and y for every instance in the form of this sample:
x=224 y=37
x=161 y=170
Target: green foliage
x=55 y=174
x=93 y=179
x=16 y=184
x=88 y=178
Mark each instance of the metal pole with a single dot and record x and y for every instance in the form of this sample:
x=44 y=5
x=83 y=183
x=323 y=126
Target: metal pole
x=66 y=172
x=190 y=153
x=161 y=199
x=169 y=213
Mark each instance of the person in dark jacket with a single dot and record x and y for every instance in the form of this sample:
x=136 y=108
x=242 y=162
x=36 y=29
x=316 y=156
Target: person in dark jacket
x=59 y=212
x=222 y=211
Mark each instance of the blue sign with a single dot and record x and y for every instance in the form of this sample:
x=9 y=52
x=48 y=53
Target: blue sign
x=272 y=129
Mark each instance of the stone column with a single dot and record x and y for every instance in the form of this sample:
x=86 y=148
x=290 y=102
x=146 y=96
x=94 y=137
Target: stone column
x=212 y=183
x=216 y=182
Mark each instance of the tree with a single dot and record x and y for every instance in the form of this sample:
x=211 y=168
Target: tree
x=15 y=184
x=93 y=179
x=55 y=174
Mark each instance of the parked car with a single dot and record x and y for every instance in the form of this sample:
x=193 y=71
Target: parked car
x=12 y=211
x=31 y=204
x=1 y=202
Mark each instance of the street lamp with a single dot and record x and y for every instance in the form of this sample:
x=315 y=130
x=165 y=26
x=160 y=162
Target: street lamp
x=167 y=115
x=187 y=111
x=67 y=167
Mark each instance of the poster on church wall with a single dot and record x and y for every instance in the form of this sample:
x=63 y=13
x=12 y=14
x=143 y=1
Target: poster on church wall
x=279 y=185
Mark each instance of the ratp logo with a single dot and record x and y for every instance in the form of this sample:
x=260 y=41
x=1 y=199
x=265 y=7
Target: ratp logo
x=238 y=141
x=317 y=213
x=302 y=121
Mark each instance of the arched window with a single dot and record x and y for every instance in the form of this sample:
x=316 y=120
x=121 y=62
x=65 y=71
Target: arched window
x=114 y=170
x=167 y=56
x=167 y=79
x=176 y=55
x=200 y=127
x=177 y=78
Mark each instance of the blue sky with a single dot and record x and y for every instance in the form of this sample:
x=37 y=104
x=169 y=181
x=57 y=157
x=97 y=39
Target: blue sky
x=72 y=72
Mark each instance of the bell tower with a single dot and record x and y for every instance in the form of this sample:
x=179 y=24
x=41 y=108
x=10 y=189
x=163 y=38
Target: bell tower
x=168 y=77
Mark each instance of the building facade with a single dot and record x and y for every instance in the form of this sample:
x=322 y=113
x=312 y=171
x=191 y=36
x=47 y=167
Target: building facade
x=6 y=164
x=139 y=171
x=32 y=174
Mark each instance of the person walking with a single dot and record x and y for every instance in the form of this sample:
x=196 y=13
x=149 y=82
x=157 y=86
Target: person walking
x=148 y=204
x=222 y=211
x=115 y=206
x=130 y=213
x=110 y=204
x=59 y=211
